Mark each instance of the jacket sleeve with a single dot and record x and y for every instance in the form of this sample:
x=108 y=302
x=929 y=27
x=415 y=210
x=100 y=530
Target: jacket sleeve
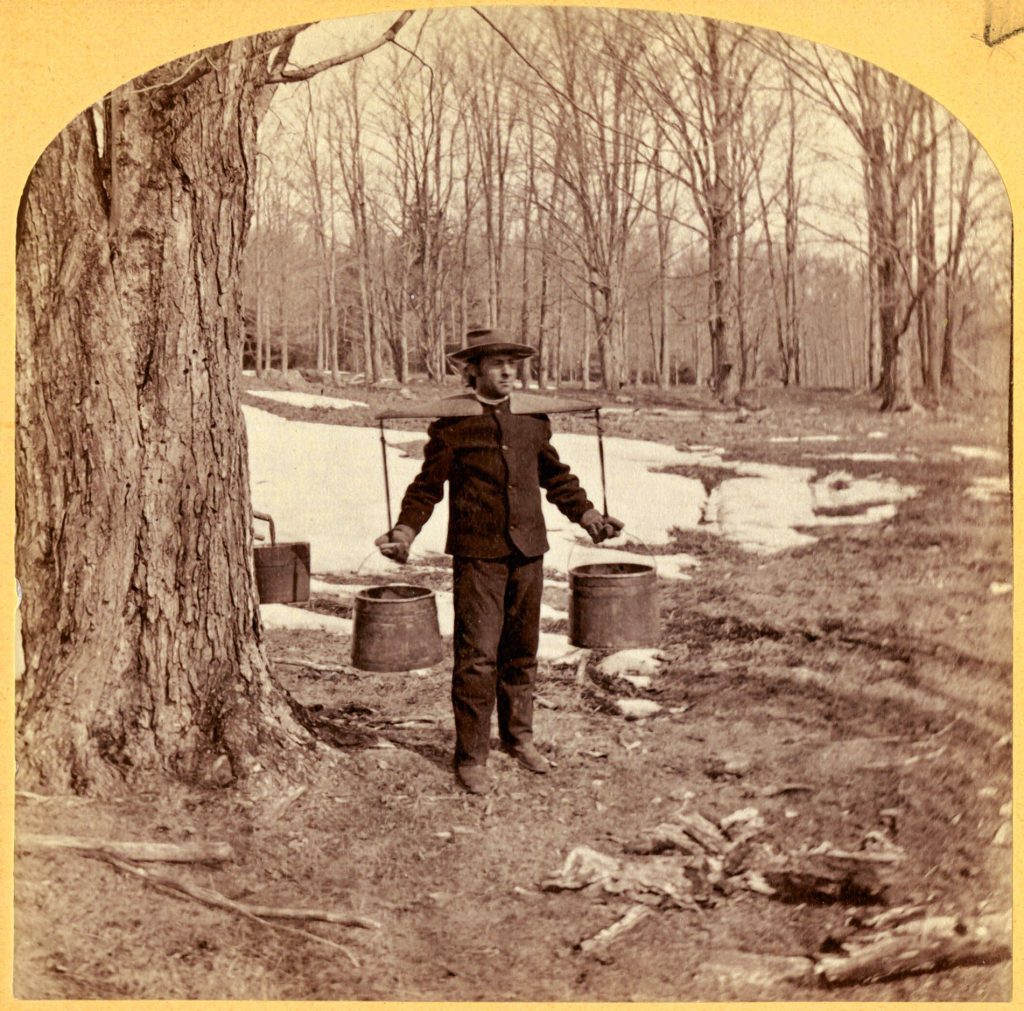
x=427 y=488
x=562 y=486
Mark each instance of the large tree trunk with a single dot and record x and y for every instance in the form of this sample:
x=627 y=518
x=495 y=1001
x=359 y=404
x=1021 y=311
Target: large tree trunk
x=143 y=642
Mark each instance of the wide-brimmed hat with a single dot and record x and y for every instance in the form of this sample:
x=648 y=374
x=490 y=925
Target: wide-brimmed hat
x=488 y=340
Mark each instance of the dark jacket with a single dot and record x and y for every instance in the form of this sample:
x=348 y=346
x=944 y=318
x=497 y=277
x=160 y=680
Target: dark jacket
x=495 y=465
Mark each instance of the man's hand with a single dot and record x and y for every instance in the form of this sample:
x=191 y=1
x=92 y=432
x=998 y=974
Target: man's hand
x=396 y=543
x=600 y=527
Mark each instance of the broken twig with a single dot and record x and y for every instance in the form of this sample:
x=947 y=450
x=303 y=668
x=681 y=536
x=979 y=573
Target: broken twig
x=604 y=938
x=164 y=852
x=213 y=898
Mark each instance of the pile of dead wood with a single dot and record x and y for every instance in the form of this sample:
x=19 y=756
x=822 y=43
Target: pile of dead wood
x=683 y=860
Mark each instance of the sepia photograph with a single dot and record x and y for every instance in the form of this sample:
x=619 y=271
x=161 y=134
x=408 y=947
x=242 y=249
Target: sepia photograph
x=514 y=504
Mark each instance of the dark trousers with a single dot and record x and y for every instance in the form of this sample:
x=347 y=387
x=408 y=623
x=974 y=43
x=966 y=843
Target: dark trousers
x=497 y=630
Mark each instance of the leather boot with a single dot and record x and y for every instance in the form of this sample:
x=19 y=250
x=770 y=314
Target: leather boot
x=529 y=757
x=473 y=778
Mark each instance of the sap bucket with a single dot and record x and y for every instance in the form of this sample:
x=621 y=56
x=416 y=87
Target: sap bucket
x=395 y=628
x=282 y=570
x=613 y=605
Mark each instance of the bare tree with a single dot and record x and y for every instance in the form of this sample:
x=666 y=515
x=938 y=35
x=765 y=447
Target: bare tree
x=349 y=151
x=963 y=157
x=782 y=259
x=599 y=127
x=319 y=196
x=493 y=123
x=882 y=113
x=424 y=116
x=700 y=78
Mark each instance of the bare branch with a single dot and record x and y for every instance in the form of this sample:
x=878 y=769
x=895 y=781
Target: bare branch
x=283 y=75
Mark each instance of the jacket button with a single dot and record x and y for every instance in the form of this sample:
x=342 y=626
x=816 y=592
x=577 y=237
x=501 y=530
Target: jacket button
x=504 y=447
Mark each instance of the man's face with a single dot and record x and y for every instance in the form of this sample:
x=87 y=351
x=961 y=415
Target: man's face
x=495 y=375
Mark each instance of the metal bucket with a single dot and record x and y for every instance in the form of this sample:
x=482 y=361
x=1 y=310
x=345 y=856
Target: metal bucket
x=613 y=605
x=395 y=628
x=282 y=570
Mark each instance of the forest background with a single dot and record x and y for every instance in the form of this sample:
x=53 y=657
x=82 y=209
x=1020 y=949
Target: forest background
x=645 y=199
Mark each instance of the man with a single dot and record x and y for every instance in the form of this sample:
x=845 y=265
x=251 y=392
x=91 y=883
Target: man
x=495 y=462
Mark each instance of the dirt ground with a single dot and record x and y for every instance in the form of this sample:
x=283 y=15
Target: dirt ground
x=859 y=685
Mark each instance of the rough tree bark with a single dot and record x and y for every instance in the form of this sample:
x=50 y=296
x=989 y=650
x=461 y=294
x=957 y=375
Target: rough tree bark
x=143 y=643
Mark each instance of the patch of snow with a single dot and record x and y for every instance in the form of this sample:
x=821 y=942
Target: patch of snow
x=867 y=457
x=763 y=513
x=557 y=650
x=840 y=490
x=805 y=438
x=637 y=709
x=299 y=399
x=772 y=471
x=285 y=616
x=346 y=591
x=571 y=658
x=324 y=484
x=632 y=661
x=979 y=453
x=672 y=412
x=759 y=514
x=878 y=435
x=989 y=489
x=445 y=612
x=1000 y=589
x=872 y=514
x=702 y=456
x=641 y=681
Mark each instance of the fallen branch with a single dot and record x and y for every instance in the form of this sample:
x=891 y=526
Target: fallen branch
x=603 y=939
x=703 y=831
x=405 y=723
x=318 y=667
x=321 y=915
x=776 y=791
x=65 y=798
x=165 y=852
x=889 y=918
x=865 y=856
x=936 y=942
x=213 y=898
